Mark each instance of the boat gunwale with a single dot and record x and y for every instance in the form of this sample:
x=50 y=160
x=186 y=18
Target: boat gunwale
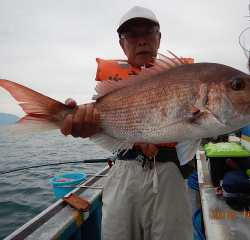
x=38 y=221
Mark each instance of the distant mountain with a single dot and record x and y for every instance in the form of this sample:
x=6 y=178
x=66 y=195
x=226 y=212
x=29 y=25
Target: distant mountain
x=8 y=119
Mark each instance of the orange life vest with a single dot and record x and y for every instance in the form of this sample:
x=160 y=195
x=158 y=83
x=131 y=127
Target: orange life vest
x=121 y=69
x=115 y=70
x=118 y=69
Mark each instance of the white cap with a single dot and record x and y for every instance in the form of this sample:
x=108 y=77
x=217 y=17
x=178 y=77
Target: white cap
x=137 y=12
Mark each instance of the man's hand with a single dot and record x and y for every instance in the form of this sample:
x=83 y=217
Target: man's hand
x=84 y=123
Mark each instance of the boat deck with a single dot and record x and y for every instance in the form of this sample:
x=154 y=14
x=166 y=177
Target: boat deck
x=220 y=220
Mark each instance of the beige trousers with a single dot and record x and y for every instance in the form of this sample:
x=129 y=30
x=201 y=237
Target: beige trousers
x=132 y=211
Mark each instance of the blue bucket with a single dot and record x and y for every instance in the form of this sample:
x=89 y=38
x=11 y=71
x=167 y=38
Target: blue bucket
x=58 y=186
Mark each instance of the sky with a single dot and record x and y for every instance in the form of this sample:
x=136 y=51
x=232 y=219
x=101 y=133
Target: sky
x=50 y=46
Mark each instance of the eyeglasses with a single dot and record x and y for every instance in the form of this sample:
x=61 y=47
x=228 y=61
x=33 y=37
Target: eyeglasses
x=134 y=37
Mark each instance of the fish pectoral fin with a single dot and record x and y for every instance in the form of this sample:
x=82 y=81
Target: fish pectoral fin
x=110 y=143
x=186 y=150
x=176 y=120
x=179 y=120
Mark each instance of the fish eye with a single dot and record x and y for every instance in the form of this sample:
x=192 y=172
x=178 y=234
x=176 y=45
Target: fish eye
x=238 y=84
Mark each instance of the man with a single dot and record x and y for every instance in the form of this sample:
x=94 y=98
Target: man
x=131 y=208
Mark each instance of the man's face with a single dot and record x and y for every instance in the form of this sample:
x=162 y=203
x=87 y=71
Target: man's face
x=144 y=49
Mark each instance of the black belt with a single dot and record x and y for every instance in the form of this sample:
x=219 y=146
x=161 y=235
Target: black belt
x=165 y=154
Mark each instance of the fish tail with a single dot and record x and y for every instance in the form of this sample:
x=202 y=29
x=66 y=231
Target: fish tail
x=43 y=113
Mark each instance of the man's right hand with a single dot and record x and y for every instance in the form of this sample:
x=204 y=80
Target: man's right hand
x=84 y=123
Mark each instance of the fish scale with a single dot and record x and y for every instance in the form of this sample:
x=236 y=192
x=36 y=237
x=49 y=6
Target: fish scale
x=140 y=103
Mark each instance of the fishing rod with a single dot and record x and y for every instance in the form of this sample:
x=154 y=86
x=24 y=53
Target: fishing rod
x=52 y=164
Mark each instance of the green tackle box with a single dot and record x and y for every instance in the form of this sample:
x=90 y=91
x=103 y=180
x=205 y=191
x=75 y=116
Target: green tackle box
x=218 y=154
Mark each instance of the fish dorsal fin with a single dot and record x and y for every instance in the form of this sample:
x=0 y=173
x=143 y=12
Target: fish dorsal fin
x=160 y=64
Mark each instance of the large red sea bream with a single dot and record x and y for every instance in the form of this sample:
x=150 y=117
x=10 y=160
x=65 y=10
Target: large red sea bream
x=171 y=101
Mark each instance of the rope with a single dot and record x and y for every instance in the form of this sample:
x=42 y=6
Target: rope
x=193 y=183
x=196 y=225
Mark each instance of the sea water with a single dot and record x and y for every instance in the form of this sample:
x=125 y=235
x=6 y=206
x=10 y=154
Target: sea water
x=26 y=193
